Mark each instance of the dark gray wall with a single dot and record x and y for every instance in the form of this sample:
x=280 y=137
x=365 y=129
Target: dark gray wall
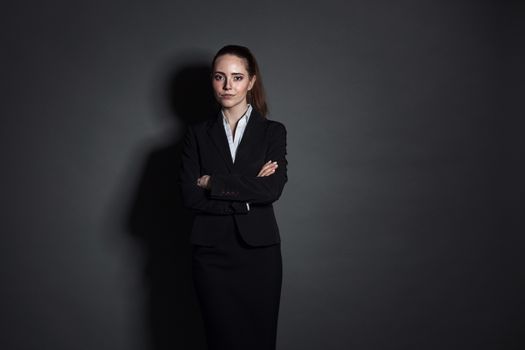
x=401 y=223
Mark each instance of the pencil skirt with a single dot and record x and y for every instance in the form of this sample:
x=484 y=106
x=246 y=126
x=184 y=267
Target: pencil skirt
x=239 y=288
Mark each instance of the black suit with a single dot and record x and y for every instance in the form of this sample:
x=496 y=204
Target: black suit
x=206 y=152
x=237 y=263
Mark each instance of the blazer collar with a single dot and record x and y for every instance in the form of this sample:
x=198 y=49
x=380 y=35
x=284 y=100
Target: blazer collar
x=252 y=137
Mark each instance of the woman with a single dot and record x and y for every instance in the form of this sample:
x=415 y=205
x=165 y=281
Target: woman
x=233 y=169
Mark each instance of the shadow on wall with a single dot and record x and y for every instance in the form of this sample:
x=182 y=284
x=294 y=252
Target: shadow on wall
x=162 y=226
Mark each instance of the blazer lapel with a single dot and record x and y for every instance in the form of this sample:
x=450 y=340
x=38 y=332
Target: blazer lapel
x=218 y=135
x=253 y=135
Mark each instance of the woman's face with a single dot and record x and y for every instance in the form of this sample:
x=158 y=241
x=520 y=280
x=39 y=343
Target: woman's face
x=231 y=81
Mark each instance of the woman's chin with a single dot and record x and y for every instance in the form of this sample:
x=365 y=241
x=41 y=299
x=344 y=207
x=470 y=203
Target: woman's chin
x=228 y=103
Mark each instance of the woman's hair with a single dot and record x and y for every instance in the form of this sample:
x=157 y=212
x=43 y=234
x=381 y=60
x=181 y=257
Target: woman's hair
x=256 y=95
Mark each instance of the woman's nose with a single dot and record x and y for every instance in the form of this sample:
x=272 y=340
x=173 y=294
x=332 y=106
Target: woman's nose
x=227 y=84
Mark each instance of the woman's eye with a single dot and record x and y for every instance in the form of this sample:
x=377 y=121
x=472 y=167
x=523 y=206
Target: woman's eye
x=218 y=77
x=238 y=78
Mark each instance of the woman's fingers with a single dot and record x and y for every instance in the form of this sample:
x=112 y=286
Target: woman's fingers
x=267 y=173
x=203 y=181
x=268 y=168
x=265 y=168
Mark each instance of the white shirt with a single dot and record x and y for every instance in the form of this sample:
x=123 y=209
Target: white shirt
x=239 y=130
x=234 y=142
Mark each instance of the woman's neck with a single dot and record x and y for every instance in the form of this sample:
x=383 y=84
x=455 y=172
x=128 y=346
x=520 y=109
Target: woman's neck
x=235 y=113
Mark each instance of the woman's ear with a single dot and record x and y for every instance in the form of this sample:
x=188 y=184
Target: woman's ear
x=252 y=82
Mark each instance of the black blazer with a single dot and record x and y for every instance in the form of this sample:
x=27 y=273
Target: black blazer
x=206 y=152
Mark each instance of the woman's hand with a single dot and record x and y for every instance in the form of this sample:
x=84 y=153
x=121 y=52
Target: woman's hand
x=268 y=169
x=204 y=182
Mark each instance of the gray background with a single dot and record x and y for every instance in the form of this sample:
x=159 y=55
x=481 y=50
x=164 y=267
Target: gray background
x=401 y=223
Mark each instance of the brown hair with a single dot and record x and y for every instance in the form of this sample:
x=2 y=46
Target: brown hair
x=256 y=95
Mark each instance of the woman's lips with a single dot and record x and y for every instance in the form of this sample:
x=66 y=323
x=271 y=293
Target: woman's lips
x=227 y=96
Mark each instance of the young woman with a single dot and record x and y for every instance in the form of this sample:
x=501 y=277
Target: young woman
x=233 y=169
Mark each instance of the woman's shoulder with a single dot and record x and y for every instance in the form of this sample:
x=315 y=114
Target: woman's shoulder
x=275 y=125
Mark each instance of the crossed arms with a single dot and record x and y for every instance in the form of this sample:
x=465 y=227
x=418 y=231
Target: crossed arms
x=228 y=193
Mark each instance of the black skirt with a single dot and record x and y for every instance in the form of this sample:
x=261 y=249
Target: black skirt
x=239 y=290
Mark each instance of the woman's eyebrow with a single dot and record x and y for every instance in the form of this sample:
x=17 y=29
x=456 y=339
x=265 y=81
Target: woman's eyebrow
x=234 y=73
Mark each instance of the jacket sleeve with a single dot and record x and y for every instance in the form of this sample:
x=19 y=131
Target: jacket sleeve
x=254 y=189
x=194 y=197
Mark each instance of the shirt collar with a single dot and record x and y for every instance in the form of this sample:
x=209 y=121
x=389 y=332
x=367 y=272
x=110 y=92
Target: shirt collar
x=246 y=115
